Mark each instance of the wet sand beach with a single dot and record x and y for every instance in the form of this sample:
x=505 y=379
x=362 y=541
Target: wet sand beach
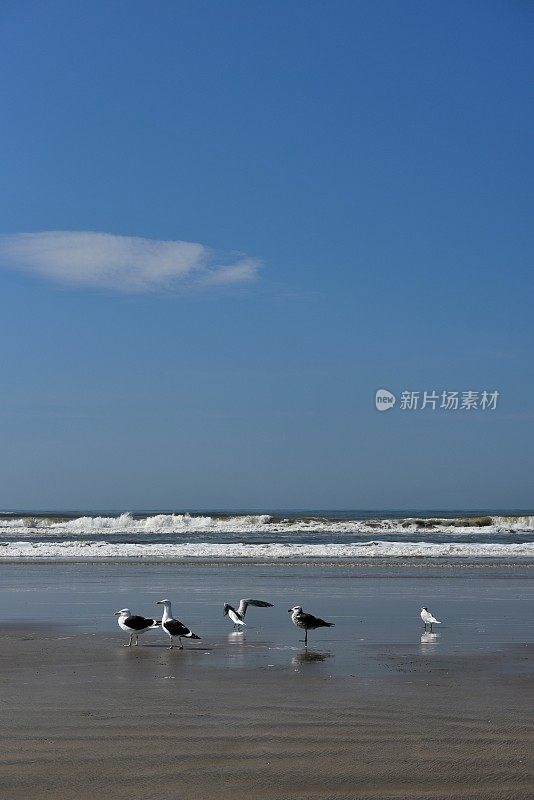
x=368 y=711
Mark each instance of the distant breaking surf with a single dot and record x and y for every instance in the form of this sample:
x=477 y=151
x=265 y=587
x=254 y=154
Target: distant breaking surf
x=263 y=537
x=258 y=523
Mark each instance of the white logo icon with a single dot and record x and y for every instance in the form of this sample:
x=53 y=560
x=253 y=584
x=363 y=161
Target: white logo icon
x=384 y=400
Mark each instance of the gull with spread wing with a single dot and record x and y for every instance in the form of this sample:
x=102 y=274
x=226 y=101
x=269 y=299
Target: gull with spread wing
x=238 y=615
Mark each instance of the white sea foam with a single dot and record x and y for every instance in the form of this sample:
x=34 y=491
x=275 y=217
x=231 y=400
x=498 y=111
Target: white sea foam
x=126 y=523
x=258 y=523
x=88 y=550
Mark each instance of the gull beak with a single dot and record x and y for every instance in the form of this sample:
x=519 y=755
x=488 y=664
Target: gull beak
x=117 y=614
x=159 y=603
x=289 y=610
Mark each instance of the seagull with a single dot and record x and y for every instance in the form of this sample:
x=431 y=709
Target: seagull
x=428 y=619
x=307 y=621
x=238 y=617
x=134 y=624
x=174 y=627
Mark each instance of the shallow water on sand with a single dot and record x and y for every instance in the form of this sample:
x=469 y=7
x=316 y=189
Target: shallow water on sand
x=377 y=629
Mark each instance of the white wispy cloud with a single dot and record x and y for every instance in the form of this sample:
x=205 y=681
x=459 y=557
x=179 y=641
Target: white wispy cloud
x=122 y=263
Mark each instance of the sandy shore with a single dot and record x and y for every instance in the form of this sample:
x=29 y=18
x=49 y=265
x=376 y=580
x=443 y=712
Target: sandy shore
x=83 y=717
x=373 y=709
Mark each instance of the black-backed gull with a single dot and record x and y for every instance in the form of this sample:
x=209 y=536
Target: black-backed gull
x=173 y=627
x=134 y=625
x=307 y=621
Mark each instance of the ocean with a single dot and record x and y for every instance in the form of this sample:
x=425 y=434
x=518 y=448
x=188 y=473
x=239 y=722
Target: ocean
x=267 y=537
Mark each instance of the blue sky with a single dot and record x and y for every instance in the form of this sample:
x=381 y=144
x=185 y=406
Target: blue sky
x=353 y=182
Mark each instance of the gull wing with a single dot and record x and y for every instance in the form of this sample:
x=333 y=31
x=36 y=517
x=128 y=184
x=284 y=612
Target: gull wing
x=137 y=623
x=245 y=603
x=309 y=621
x=176 y=628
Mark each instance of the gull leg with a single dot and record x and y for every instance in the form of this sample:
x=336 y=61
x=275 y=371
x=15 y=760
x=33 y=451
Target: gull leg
x=430 y=627
x=181 y=645
x=130 y=642
x=306 y=639
x=171 y=645
x=136 y=640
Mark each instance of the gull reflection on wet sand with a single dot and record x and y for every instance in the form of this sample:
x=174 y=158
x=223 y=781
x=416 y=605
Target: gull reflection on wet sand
x=429 y=642
x=309 y=656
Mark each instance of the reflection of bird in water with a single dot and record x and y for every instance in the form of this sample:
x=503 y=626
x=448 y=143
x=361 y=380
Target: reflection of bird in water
x=429 y=642
x=308 y=656
x=237 y=615
x=428 y=618
x=429 y=638
x=307 y=621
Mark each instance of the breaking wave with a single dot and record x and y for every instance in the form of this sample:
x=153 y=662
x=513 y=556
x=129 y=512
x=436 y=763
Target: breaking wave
x=264 y=537
x=258 y=523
